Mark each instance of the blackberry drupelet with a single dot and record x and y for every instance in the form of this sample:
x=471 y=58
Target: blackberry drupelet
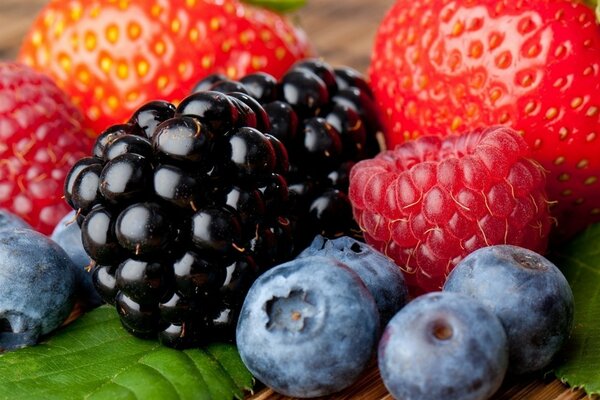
x=326 y=120
x=181 y=208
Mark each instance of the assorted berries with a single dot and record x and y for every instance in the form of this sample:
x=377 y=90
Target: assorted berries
x=530 y=65
x=458 y=343
x=231 y=183
x=430 y=202
x=41 y=138
x=183 y=206
x=113 y=57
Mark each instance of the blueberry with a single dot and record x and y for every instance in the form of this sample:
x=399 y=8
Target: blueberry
x=307 y=327
x=380 y=274
x=443 y=346
x=529 y=295
x=9 y=221
x=37 y=287
x=67 y=235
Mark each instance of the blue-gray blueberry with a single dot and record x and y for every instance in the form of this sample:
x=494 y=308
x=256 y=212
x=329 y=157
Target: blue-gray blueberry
x=9 y=221
x=308 y=327
x=37 y=287
x=379 y=273
x=443 y=345
x=529 y=295
x=67 y=235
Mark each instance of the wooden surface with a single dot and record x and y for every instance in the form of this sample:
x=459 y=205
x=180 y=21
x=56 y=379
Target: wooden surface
x=342 y=31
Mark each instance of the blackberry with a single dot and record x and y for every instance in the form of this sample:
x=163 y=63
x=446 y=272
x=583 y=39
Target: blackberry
x=85 y=188
x=261 y=86
x=128 y=144
x=283 y=120
x=184 y=138
x=125 y=177
x=180 y=209
x=208 y=81
x=326 y=121
x=99 y=237
x=110 y=134
x=73 y=174
x=148 y=116
x=262 y=119
x=304 y=91
x=183 y=207
x=215 y=109
x=247 y=154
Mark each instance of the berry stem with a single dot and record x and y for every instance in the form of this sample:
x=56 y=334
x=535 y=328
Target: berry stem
x=596 y=6
x=280 y=6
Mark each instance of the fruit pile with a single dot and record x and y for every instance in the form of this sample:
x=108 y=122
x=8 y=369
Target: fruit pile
x=532 y=66
x=222 y=186
x=308 y=327
x=294 y=324
x=182 y=207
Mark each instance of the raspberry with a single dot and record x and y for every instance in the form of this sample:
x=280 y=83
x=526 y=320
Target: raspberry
x=40 y=139
x=430 y=202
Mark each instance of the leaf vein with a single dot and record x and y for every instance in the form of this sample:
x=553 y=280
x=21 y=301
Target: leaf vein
x=175 y=388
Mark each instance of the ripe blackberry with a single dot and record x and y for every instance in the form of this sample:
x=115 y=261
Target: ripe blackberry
x=148 y=116
x=326 y=120
x=181 y=208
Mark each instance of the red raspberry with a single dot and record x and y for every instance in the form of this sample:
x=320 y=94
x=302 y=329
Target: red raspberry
x=40 y=139
x=430 y=202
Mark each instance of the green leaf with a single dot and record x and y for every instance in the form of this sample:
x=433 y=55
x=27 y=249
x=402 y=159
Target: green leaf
x=95 y=358
x=579 y=362
x=278 y=5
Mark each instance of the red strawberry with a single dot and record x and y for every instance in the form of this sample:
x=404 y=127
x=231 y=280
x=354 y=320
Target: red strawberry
x=113 y=56
x=431 y=201
x=40 y=139
x=446 y=67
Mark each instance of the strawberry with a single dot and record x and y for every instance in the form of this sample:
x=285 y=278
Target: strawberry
x=41 y=137
x=113 y=56
x=447 y=67
x=430 y=202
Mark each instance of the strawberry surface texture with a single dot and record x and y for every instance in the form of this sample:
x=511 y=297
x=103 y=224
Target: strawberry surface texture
x=431 y=201
x=446 y=67
x=113 y=56
x=41 y=137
